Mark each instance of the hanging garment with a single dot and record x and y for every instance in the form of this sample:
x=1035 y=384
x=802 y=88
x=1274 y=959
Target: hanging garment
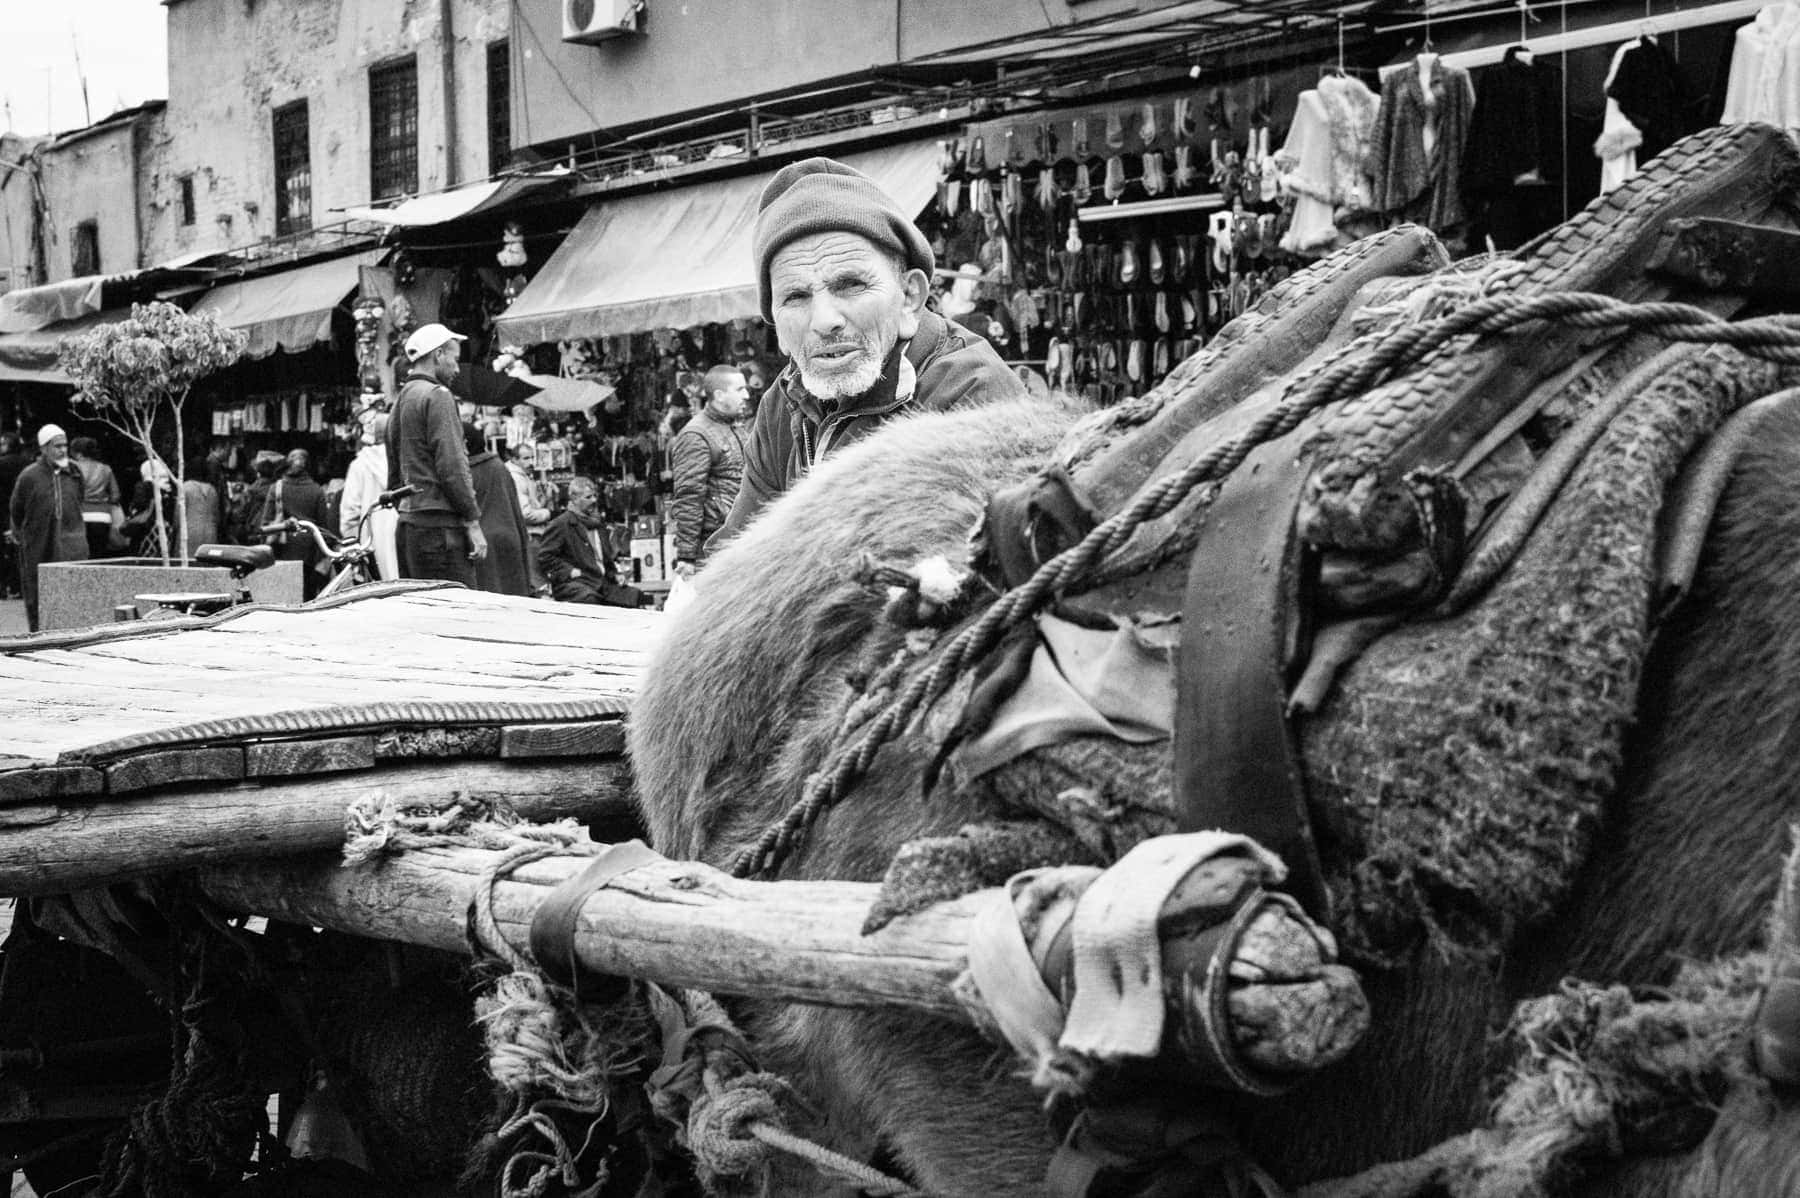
x=1764 y=82
x=1515 y=152
x=1653 y=93
x=1619 y=139
x=1323 y=163
x=1413 y=182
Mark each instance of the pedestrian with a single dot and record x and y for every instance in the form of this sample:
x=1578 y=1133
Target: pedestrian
x=440 y=525
x=102 y=509
x=155 y=488
x=576 y=555
x=296 y=494
x=844 y=276
x=707 y=458
x=520 y=464
x=360 y=517
x=44 y=514
x=506 y=567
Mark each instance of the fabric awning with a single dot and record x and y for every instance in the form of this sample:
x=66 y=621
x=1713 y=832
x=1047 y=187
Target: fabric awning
x=459 y=202
x=290 y=310
x=26 y=308
x=31 y=357
x=674 y=259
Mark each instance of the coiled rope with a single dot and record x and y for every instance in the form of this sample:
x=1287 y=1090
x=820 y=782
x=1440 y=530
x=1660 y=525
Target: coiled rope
x=1363 y=363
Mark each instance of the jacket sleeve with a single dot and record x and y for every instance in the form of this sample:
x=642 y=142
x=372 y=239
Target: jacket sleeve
x=553 y=552
x=763 y=470
x=16 y=504
x=450 y=459
x=690 y=459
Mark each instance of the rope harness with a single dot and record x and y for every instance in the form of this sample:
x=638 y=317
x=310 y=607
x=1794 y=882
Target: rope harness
x=1372 y=358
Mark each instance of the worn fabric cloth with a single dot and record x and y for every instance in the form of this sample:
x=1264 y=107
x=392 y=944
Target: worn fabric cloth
x=364 y=482
x=578 y=562
x=506 y=570
x=425 y=449
x=1410 y=182
x=45 y=515
x=949 y=367
x=707 y=460
x=1117 y=682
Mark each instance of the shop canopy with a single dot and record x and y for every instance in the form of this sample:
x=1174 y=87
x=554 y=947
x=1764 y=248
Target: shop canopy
x=31 y=356
x=675 y=259
x=459 y=202
x=290 y=310
x=26 y=308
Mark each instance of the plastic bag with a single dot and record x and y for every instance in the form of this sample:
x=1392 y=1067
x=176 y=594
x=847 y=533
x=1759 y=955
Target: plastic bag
x=681 y=593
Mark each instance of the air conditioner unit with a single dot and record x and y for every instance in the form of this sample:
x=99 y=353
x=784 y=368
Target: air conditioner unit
x=593 y=21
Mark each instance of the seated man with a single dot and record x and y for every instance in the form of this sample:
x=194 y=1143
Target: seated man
x=575 y=556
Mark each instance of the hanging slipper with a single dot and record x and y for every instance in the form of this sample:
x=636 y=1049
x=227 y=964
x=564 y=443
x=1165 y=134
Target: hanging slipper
x=1015 y=153
x=1147 y=124
x=1134 y=362
x=1247 y=235
x=1270 y=175
x=1046 y=189
x=1159 y=366
x=977 y=157
x=1115 y=130
x=1128 y=264
x=1162 y=311
x=1190 y=316
x=1184 y=257
x=1154 y=179
x=1084 y=189
x=1157 y=273
x=951 y=200
x=1218 y=229
x=1184 y=167
x=1079 y=137
x=1115 y=178
x=1185 y=127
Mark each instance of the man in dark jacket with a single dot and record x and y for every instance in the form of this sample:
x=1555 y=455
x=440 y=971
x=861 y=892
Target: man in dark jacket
x=575 y=556
x=707 y=458
x=845 y=276
x=297 y=494
x=440 y=526
x=45 y=514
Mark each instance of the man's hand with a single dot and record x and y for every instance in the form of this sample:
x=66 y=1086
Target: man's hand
x=685 y=570
x=477 y=541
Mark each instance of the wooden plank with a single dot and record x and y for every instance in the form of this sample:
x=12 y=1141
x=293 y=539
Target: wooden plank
x=112 y=838
x=163 y=767
x=55 y=782
x=599 y=738
x=288 y=758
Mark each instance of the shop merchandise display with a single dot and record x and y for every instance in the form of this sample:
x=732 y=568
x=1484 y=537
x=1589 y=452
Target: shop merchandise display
x=1764 y=81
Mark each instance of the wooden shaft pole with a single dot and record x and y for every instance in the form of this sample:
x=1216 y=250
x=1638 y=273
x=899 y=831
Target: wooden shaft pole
x=58 y=845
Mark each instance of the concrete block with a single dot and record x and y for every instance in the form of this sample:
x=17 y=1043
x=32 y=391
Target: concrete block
x=82 y=594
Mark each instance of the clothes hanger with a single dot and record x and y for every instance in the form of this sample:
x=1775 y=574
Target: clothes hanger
x=1524 y=48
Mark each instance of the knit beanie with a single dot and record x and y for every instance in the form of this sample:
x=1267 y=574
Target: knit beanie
x=818 y=195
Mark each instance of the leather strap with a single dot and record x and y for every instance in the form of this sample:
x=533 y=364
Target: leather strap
x=553 y=924
x=1243 y=637
x=1033 y=521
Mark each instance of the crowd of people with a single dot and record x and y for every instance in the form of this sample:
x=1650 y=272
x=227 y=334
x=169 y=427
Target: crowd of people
x=845 y=281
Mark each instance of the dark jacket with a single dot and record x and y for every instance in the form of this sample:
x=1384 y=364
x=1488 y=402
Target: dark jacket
x=1653 y=94
x=707 y=459
x=1517 y=127
x=45 y=513
x=1409 y=183
x=793 y=429
x=425 y=448
x=298 y=495
x=506 y=569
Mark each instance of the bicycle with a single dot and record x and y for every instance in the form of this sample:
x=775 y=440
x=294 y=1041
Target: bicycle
x=353 y=563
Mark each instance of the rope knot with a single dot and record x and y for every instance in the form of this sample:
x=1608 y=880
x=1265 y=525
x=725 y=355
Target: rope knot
x=722 y=1123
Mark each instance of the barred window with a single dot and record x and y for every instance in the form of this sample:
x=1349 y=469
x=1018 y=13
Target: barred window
x=394 y=129
x=84 y=248
x=499 y=113
x=293 y=169
x=185 y=186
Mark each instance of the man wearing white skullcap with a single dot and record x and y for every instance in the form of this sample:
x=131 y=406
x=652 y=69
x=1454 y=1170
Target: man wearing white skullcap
x=45 y=514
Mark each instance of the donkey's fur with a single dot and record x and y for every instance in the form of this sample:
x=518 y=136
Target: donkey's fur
x=749 y=691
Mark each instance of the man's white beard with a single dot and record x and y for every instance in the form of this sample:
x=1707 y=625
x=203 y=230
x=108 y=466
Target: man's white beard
x=842 y=384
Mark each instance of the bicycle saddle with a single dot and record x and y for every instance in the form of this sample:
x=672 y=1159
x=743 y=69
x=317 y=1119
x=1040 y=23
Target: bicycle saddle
x=241 y=558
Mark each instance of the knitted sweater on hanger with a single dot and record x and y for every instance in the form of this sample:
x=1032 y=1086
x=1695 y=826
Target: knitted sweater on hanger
x=1409 y=183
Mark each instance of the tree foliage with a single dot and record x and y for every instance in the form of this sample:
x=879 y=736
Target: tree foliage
x=133 y=373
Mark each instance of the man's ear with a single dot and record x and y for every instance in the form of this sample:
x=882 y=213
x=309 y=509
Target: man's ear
x=915 y=285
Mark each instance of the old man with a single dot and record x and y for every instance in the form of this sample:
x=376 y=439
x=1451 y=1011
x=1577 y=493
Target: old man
x=45 y=514
x=845 y=276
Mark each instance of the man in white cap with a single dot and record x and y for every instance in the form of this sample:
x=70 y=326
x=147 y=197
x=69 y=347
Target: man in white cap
x=845 y=276
x=439 y=534
x=45 y=514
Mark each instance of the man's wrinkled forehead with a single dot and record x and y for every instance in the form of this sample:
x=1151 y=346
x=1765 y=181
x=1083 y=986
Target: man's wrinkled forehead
x=827 y=256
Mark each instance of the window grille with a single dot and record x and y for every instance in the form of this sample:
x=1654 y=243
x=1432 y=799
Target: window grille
x=499 y=113
x=293 y=169
x=394 y=129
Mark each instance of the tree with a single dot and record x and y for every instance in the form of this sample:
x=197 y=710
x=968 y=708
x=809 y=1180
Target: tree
x=129 y=374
